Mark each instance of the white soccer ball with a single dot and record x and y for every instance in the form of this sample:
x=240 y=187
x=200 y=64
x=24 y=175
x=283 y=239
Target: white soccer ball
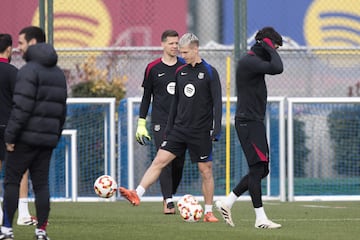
x=189 y=208
x=105 y=186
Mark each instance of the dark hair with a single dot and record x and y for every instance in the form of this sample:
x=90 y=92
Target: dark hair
x=33 y=32
x=168 y=33
x=5 y=41
x=269 y=32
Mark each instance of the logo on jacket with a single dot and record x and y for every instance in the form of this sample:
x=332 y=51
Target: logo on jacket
x=201 y=75
x=189 y=90
x=157 y=127
x=170 y=88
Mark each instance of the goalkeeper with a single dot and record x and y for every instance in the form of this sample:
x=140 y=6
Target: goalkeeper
x=159 y=83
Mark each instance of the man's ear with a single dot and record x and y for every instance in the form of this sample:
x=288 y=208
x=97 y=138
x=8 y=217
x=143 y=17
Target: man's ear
x=32 y=41
x=8 y=51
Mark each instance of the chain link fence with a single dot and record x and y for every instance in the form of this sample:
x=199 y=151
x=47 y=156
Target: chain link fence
x=117 y=39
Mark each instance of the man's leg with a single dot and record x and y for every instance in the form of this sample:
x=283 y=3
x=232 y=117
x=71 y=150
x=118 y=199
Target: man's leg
x=177 y=171
x=162 y=159
x=165 y=178
x=14 y=171
x=24 y=217
x=205 y=169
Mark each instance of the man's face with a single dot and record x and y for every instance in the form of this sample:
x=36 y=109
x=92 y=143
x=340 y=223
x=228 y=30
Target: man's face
x=189 y=53
x=171 y=46
x=23 y=44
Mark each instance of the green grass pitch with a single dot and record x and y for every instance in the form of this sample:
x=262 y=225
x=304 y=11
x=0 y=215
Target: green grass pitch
x=120 y=220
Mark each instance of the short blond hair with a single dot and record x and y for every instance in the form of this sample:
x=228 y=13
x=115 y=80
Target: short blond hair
x=187 y=39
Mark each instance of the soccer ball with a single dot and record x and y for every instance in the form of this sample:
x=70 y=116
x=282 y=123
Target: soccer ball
x=189 y=208
x=105 y=186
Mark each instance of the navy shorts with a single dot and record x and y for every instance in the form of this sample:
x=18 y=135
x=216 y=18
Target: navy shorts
x=252 y=136
x=199 y=144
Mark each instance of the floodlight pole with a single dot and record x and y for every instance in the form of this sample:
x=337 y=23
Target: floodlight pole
x=42 y=14
x=50 y=19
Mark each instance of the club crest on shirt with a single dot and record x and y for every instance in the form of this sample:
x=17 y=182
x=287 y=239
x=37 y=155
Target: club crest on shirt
x=201 y=75
x=157 y=127
x=189 y=90
x=170 y=88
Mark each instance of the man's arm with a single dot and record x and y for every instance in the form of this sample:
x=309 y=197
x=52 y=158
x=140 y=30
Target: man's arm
x=215 y=87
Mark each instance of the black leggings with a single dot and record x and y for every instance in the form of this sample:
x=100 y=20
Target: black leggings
x=252 y=182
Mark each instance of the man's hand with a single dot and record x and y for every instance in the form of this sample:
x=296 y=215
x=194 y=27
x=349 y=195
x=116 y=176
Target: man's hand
x=10 y=147
x=269 y=42
x=142 y=135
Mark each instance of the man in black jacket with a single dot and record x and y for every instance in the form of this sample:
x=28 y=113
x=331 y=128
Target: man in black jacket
x=7 y=82
x=33 y=131
x=249 y=121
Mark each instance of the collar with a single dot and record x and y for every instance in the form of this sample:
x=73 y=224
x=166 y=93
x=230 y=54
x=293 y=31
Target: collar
x=5 y=60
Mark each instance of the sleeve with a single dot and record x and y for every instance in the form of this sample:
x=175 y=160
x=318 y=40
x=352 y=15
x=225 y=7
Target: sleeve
x=272 y=67
x=146 y=98
x=23 y=103
x=215 y=87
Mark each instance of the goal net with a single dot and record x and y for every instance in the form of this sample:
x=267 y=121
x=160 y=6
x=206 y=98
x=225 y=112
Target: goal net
x=323 y=148
x=85 y=151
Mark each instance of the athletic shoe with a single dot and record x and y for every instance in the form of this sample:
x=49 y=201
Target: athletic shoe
x=209 y=217
x=41 y=236
x=130 y=195
x=225 y=212
x=4 y=236
x=169 y=208
x=266 y=223
x=27 y=221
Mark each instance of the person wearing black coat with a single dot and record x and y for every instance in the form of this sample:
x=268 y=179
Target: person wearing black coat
x=33 y=130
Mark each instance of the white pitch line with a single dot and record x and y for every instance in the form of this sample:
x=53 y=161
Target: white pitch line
x=322 y=206
x=309 y=220
x=319 y=219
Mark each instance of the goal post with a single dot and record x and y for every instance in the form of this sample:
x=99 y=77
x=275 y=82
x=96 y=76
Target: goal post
x=91 y=122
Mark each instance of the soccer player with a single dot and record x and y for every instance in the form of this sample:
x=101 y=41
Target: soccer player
x=159 y=83
x=7 y=80
x=33 y=130
x=249 y=121
x=194 y=122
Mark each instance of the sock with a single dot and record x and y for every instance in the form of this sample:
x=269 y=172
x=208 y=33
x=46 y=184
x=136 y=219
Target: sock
x=140 y=191
x=169 y=200
x=208 y=208
x=260 y=213
x=23 y=208
x=6 y=230
x=230 y=199
x=39 y=231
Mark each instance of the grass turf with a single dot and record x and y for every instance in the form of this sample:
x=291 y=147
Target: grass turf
x=120 y=220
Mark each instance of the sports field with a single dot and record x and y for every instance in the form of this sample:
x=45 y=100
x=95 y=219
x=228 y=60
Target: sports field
x=120 y=220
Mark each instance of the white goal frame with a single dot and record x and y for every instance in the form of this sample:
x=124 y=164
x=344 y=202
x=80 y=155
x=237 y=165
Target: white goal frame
x=290 y=143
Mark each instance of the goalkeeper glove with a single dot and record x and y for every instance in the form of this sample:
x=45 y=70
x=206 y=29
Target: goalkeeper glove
x=142 y=135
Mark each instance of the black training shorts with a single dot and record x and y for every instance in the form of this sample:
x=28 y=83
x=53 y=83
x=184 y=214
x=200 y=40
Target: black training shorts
x=199 y=144
x=252 y=136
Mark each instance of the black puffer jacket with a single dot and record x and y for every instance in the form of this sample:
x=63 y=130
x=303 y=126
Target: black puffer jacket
x=39 y=109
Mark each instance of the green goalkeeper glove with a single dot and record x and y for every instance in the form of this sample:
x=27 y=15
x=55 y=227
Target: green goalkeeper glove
x=142 y=135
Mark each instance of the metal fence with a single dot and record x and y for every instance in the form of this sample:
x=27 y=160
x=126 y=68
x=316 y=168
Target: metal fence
x=308 y=72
